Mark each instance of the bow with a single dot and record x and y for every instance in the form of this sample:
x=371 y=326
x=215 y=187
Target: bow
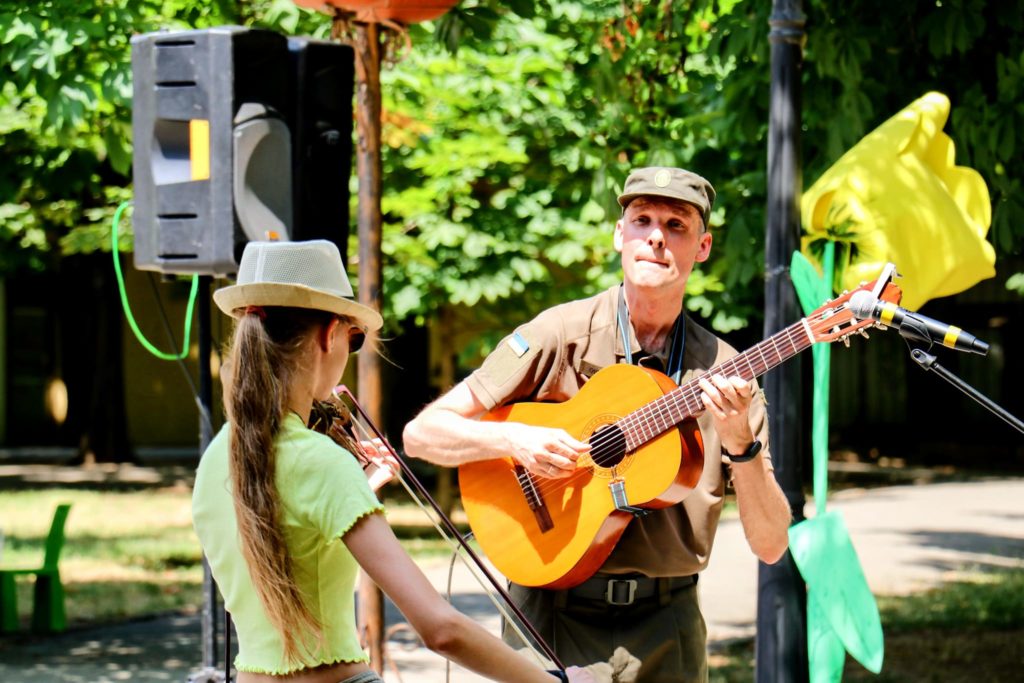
x=333 y=418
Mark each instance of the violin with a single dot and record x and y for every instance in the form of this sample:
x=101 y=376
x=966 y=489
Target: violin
x=334 y=419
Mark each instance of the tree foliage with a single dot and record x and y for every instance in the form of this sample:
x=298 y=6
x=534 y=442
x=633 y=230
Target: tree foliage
x=510 y=126
x=573 y=96
x=65 y=114
x=627 y=84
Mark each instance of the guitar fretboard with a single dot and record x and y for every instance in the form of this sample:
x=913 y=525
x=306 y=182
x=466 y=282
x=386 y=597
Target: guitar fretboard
x=666 y=412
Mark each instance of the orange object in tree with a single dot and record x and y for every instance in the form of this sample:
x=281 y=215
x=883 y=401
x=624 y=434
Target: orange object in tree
x=372 y=11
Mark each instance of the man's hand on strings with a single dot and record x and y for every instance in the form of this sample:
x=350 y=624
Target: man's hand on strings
x=379 y=464
x=728 y=401
x=543 y=451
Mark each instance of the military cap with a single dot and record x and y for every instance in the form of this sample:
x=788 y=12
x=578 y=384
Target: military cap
x=674 y=183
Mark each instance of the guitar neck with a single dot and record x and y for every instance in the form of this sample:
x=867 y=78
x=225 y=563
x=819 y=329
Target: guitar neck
x=666 y=412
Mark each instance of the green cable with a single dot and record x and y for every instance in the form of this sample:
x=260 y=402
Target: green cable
x=124 y=297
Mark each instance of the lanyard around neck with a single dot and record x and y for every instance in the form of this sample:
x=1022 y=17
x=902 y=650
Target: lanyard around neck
x=675 y=355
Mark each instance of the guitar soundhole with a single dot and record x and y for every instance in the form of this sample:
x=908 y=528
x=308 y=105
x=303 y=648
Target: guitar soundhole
x=608 y=446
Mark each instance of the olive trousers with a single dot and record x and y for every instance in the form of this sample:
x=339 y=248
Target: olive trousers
x=657 y=620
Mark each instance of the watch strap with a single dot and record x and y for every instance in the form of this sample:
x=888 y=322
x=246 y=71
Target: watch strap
x=747 y=455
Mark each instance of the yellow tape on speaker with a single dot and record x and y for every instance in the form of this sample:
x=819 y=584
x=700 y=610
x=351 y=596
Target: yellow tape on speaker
x=199 y=148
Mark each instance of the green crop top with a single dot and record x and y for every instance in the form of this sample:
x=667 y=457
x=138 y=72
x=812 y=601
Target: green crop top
x=323 y=492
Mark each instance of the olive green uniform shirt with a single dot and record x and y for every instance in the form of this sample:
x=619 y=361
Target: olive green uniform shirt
x=553 y=355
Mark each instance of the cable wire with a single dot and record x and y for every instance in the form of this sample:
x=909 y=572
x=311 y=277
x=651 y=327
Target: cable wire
x=115 y=252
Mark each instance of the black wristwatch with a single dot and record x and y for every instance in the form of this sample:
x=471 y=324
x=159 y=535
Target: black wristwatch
x=747 y=455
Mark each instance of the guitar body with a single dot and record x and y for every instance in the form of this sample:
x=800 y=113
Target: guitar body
x=584 y=521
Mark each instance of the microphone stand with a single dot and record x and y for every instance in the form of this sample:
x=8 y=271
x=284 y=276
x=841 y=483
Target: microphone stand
x=928 y=362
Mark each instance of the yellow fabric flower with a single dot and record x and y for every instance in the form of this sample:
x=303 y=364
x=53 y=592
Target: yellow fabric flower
x=898 y=196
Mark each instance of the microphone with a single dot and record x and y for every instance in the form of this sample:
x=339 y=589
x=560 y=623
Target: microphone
x=863 y=304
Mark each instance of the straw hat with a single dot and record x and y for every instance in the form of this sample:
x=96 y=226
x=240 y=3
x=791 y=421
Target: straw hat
x=296 y=274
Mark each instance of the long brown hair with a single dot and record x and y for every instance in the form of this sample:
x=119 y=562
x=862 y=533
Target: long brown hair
x=267 y=350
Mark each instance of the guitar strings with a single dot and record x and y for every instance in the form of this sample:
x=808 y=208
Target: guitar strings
x=603 y=443
x=664 y=409
x=666 y=406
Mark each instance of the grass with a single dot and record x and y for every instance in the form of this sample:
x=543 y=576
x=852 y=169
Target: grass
x=991 y=600
x=130 y=554
x=126 y=554
x=962 y=632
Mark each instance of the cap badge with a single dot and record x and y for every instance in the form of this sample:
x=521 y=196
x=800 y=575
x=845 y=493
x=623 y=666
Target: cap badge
x=662 y=178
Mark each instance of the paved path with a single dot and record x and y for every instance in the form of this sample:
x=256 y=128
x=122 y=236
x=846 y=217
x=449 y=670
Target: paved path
x=908 y=538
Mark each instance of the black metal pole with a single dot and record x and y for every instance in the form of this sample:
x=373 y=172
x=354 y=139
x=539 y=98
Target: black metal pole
x=929 y=362
x=210 y=608
x=781 y=642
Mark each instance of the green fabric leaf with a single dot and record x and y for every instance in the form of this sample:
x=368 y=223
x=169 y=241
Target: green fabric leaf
x=823 y=552
x=825 y=650
x=809 y=284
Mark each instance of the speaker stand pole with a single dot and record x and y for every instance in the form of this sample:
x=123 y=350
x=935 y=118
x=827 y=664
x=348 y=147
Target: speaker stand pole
x=209 y=672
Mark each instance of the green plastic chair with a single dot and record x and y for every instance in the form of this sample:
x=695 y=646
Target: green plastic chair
x=48 y=605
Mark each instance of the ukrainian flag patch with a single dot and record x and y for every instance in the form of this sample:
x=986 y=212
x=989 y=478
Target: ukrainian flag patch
x=518 y=345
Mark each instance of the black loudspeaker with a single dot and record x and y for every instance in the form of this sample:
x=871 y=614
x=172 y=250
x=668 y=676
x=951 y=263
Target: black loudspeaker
x=234 y=142
x=320 y=114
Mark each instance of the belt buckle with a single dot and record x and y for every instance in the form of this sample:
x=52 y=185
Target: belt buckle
x=610 y=594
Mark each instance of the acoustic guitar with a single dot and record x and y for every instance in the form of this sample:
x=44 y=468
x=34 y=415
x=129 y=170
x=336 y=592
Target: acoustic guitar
x=646 y=453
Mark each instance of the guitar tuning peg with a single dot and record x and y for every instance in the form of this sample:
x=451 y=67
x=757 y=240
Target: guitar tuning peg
x=864 y=333
x=846 y=341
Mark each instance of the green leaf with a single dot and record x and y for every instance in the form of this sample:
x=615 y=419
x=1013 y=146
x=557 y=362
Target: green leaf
x=20 y=27
x=502 y=164
x=118 y=150
x=405 y=301
x=524 y=8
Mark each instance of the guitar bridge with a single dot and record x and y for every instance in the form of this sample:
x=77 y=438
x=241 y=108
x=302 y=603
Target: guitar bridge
x=618 y=488
x=533 y=499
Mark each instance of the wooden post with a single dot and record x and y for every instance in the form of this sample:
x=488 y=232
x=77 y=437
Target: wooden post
x=440 y=341
x=367 y=46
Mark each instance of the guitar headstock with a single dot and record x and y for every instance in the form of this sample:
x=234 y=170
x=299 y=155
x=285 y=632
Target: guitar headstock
x=834 y=320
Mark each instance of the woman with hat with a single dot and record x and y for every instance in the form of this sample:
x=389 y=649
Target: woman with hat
x=284 y=515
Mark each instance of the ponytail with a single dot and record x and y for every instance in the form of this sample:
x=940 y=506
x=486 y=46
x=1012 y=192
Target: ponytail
x=266 y=351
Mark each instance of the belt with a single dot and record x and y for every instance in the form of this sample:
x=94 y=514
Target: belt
x=629 y=588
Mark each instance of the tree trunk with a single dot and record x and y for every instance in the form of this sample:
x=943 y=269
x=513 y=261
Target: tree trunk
x=91 y=358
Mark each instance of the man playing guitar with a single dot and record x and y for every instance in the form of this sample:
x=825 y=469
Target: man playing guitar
x=643 y=594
